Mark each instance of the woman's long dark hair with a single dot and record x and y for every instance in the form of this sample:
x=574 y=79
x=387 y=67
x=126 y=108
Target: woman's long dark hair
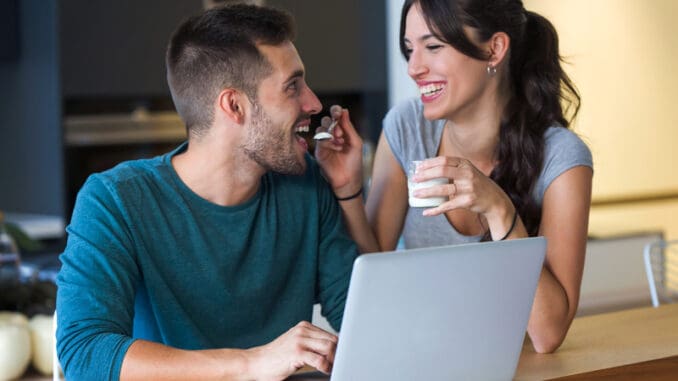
x=539 y=86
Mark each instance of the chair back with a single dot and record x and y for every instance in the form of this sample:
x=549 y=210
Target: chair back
x=661 y=266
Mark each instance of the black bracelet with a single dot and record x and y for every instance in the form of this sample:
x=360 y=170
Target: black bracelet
x=513 y=225
x=351 y=197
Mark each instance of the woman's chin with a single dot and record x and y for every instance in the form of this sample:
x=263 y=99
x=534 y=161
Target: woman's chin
x=433 y=113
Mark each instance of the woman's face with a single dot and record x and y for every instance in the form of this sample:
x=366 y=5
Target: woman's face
x=450 y=83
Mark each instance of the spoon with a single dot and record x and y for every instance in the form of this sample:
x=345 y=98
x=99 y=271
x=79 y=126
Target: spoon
x=326 y=135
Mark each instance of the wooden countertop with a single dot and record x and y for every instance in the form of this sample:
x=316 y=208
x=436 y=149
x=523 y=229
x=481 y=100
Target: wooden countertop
x=600 y=342
x=604 y=341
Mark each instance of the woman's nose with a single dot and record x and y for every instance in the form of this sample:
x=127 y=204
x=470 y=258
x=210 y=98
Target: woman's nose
x=415 y=66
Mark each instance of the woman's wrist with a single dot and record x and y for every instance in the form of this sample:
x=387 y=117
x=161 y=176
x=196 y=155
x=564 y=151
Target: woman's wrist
x=502 y=221
x=514 y=219
x=348 y=192
x=350 y=197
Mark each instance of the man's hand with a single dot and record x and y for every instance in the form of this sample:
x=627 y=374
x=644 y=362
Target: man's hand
x=341 y=157
x=304 y=344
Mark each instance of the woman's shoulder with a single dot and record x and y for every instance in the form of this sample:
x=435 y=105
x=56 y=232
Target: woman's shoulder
x=407 y=118
x=563 y=150
x=562 y=142
x=408 y=109
x=409 y=134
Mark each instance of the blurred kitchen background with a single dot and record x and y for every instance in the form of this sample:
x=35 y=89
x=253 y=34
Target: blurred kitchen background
x=83 y=87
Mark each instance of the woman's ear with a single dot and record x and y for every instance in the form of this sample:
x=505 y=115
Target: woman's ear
x=231 y=105
x=498 y=46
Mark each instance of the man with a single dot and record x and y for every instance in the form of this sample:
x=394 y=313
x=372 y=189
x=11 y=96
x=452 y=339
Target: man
x=204 y=263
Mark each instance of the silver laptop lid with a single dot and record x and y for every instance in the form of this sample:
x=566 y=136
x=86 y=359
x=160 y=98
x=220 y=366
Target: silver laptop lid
x=444 y=313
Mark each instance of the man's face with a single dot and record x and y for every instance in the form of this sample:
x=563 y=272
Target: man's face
x=284 y=106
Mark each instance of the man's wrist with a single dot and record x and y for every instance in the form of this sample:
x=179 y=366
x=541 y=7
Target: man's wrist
x=250 y=360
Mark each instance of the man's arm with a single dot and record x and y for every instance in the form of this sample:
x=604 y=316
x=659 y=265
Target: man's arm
x=97 y=287
x=302 y=345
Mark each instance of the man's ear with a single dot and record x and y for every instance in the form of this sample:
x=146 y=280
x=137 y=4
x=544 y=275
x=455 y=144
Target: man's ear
x=231 y=103
x=498 y=46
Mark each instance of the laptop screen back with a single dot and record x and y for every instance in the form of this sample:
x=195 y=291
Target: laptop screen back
x=453 y=312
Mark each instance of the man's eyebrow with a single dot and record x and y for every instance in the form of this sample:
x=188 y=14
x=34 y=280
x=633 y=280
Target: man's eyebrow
x=297 y=74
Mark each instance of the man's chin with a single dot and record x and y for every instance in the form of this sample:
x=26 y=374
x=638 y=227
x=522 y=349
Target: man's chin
x=296 y=168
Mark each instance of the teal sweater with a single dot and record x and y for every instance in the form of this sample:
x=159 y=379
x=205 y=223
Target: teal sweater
x=148 y=258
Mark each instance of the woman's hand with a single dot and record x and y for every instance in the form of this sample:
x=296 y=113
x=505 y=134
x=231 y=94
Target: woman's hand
x=469 y=189
x=341 y=157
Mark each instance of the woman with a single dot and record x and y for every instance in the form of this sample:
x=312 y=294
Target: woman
x=491 y=118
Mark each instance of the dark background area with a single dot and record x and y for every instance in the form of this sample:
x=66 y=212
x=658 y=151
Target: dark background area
x=60 y=59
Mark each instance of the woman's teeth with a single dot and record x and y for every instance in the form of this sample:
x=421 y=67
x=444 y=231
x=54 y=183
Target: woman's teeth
x=431 y=89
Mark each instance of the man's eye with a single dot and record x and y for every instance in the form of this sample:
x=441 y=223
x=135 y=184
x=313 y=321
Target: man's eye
x=293 y=86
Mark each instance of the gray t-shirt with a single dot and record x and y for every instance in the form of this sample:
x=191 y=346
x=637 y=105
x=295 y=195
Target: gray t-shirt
x=413 y=137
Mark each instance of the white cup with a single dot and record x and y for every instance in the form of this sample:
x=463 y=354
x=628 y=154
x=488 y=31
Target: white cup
x=427 y=202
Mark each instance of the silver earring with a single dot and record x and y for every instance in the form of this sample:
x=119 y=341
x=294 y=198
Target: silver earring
x=491 y=70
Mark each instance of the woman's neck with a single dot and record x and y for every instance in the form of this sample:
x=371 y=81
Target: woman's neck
x=474 y=134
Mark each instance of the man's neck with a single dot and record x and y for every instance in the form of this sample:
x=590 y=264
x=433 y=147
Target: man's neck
x=218 y=173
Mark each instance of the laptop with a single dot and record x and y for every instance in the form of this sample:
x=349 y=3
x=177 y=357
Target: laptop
x=444 y=313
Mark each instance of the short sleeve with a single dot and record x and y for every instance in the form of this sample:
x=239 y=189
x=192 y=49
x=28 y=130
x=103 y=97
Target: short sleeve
x=563 y=150
x=393 y=127
x=409 y=135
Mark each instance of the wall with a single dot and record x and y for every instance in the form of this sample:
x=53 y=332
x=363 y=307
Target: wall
x=30 y=133
x=341 y=43
x=400 y=85
x=117 y=48
x=622 y=58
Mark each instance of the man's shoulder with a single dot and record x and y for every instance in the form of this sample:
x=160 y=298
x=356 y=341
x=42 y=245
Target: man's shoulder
x=130 y=170
x=126 y=177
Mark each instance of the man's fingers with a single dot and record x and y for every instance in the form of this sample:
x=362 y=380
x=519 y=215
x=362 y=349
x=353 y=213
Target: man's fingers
x=309 y=330
x=323 y=347
x=317 y=361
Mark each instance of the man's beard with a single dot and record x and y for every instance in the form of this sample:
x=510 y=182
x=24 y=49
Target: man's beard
x=265 y=144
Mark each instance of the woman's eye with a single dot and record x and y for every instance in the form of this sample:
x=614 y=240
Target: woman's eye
x=433 y=47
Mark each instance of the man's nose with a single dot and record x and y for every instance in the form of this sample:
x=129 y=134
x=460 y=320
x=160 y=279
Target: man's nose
x=311 y=104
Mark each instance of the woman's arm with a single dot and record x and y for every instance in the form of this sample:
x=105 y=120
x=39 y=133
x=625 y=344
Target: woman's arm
x=565 y=211
x=377 y=226
x=565 y=216
x=340 y=159
x=387 y=202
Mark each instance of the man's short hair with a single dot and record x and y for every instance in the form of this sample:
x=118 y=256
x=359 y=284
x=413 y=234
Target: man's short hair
x=218 y=49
